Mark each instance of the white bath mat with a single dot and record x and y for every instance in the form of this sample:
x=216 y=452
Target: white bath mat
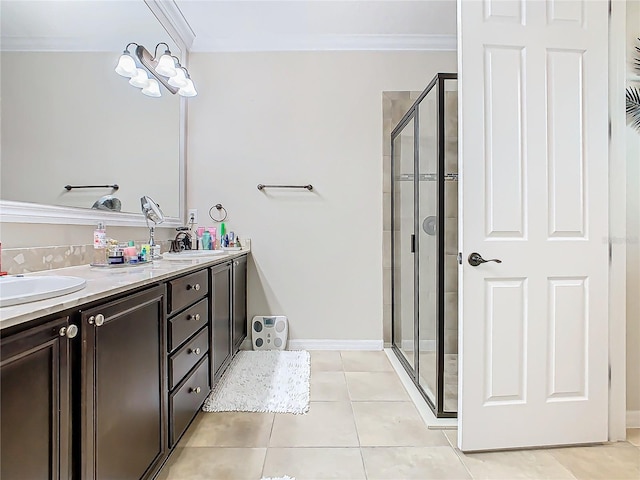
x=263 y=381
x=279 y=478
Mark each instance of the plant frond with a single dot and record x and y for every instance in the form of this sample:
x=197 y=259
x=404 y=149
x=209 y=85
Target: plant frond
x=633 y=107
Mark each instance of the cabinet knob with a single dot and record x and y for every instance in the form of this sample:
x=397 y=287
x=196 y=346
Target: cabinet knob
x=69 y=332
x=196 y=351
x=195 y=317
x=194 y=390
x=98 y=320
x=196 y=287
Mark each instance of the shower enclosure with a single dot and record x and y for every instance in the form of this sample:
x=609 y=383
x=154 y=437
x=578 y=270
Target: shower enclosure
x=424 y=243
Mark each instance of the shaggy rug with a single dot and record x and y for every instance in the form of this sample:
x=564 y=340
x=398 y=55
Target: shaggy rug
x=263 y=381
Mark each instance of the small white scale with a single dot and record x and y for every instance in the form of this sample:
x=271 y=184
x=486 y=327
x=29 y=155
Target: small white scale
x=269 y=333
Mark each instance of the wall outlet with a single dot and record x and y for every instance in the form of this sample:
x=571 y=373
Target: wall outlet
x=192 y=216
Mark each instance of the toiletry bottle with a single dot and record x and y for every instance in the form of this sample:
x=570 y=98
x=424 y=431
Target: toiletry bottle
x=100 y=245
x=199 y=233
x=212 y=232
x=206 y=240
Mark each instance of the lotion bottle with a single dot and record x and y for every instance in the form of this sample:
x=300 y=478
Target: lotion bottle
x=100 y=245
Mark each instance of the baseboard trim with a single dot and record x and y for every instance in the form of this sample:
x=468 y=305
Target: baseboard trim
x=633 y=418
x=312 y=344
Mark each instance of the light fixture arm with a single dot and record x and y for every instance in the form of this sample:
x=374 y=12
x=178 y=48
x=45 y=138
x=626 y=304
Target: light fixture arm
x=145 y=58
x=167 y=51
x=126 y=49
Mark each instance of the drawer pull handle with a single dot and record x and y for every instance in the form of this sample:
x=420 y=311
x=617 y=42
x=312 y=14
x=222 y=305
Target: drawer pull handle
x=196 y=351
x=195 y=317
x=194 y=390
x=196 y=287
x=98 y=320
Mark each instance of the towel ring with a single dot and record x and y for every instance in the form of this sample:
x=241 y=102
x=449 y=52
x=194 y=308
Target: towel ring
x=219 y=207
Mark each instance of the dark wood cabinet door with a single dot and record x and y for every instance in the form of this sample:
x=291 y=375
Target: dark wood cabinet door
x=34 y=403
x=220 y=319
x=239 y=301
x=124 y=392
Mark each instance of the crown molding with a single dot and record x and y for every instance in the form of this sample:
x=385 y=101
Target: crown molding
x=279 y=43
x=171 y=17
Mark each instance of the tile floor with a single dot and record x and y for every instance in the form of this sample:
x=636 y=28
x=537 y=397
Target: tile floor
x=362 y=425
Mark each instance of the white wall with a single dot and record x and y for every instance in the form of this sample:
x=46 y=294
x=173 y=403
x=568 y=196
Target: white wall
x=297 y=118
x=633 y=230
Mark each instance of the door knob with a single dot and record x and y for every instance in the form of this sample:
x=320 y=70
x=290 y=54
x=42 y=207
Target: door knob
x=476 y=259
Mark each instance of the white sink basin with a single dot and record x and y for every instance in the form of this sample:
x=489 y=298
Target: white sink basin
x=189 y=254
x=15 y=289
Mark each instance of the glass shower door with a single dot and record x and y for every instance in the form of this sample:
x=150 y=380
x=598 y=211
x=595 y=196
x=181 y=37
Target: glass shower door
x=429 y=232
x=403 y=281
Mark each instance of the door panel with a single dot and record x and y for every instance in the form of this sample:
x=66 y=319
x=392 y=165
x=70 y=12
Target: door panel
x=220 y=320
x=124 y=388
x=34 y=403
x=534 y=159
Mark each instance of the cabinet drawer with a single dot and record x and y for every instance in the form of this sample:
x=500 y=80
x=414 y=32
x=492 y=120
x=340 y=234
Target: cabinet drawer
x=186 y=401
x=188 y=289
x=186 y=323
x=184 y=359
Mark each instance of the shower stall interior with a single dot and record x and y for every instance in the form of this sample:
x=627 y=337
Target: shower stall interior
x=424 y=243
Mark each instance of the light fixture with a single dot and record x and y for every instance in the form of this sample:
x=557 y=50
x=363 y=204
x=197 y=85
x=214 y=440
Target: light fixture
x=140 y=79
x=167 y=70
x=152 y=88
x=126 y=64
x=166 y=65
x=179 y=80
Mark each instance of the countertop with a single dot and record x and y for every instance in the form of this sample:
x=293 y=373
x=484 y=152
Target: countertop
x=104 y=283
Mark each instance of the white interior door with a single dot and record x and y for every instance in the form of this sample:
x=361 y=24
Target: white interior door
x=534 y=155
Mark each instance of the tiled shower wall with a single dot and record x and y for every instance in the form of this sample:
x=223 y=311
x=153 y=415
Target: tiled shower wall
x=395 y=105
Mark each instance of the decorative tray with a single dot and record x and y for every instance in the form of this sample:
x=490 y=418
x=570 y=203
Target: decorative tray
x=120 y=265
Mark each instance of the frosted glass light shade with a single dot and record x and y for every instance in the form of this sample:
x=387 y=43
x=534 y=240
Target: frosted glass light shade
x=140 y=79
x=126 y=66
x=189 y=90
x=152 y=89
x=179 y=80
x=166 y=66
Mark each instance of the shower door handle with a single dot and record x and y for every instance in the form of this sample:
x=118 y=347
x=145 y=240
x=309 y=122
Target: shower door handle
x=413 y=243
x=476 y=259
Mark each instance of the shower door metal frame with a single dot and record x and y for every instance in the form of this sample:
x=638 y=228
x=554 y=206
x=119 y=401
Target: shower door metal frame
x=414 y=372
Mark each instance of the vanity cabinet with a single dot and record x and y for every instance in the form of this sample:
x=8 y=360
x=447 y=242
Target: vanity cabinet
x=35 y=402
x=123 y=387
x=188 y=350
x=112 y=402
x=239 y=295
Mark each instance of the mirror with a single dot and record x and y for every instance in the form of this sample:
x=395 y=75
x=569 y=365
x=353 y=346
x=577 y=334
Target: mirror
x=69 y=120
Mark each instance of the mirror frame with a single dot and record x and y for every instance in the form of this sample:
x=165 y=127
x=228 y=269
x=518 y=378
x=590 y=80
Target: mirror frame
x=171 y=19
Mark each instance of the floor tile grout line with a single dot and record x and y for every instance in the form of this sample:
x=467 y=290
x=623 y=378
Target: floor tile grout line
x=264 y=462
x=458 y=454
